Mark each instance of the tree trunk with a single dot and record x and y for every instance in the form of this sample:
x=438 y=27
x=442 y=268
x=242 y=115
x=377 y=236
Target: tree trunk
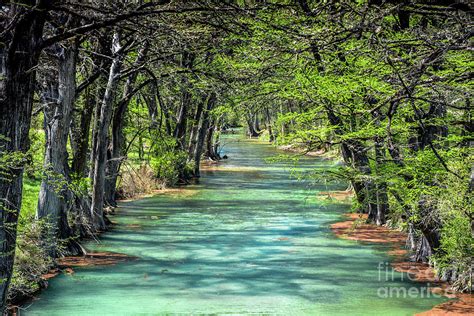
x=80 y=133
x=95 y=127
x=193 y=135
x=428 y=135
x=251 y=127
x=271 y=137
x=209 y=152
x=81 y=136
x=283 y=125
x=100 y=161
x=19 y=55
x=150 y=97
x=256 y=123
x=380 y=184
x=187 y=60
x=203 y=127
x=216 y=143
x=355 y=155
x=180 y=130
x=55 y=199
x=117 y=145
x=164 y=112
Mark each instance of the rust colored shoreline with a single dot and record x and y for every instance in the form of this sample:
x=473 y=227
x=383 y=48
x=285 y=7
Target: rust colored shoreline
x=354 y=227
x=66 y=264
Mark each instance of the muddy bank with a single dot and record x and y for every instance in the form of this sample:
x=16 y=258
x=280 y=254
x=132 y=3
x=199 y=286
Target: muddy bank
x=94 y=259
x=67 y=264
x=354 y=227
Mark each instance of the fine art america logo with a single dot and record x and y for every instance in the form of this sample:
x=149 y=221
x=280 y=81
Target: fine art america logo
x=386 y=273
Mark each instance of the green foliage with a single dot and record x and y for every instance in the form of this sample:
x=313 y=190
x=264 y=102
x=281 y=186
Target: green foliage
x=169 y=166
x=31 y=259
x=79 y=185
x=29 y=202
x=456 y=251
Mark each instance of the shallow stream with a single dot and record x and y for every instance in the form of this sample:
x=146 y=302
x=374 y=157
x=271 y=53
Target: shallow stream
x=248 y=239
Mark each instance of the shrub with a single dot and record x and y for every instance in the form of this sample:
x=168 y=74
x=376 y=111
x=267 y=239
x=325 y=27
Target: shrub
x=31 y=260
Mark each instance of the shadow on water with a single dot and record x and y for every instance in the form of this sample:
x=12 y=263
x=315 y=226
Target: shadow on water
x=247 y=242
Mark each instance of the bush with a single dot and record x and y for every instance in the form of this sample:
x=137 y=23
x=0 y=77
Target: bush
x=137 y=181
x=31 y=260
x=171 y=167
x=455 y=256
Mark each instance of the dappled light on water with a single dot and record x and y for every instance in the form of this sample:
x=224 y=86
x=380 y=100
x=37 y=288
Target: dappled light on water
x=250 y=239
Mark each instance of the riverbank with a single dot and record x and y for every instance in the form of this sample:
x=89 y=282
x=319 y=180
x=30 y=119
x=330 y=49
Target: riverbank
x=354 y=227
x=241 y=244
x=67 y=264
x=302 y=151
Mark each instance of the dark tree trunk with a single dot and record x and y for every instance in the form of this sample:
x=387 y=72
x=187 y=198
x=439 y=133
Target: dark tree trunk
x=380 y=185
x=216 y=143
x=271 y=137
x=19 y=55
x=203 y=128
x=251 y=127
x=355 y=155
x=81 y=136
x=364 y=187
x=423 y=249
x=256 y=123
x=283 y=125
x=429 y=136
x=187 y=61
x=95 y=127
x=403 y=19
x=209 y=149
x=305 y=7
x=106 y=49
x=81 y=130
x=165 y=113
x=180 y=130
x=150 y=97
x=429 y=227
x=100 y=160
x=193 y=135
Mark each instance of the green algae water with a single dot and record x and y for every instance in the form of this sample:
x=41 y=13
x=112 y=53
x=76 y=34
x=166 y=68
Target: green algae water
x=247 y=240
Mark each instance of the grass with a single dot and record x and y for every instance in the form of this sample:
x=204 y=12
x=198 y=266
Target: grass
x=29 y=202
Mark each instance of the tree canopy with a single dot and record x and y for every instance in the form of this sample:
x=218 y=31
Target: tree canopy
x=102 y=100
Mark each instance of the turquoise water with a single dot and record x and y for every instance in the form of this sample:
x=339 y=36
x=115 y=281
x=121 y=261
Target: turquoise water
x=247 y=240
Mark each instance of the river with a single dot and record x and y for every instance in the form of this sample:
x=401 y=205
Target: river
x=248 y=239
